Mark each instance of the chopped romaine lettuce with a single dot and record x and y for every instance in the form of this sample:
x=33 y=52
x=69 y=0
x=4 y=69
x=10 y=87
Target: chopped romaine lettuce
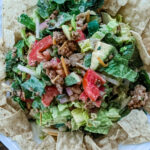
x=87 y=60
x=85 y=45
x=93 y=26
x=118 y=67
x=27 y=21
x=34 y=85
x=72 y=79
x=73 y=22
x=20 y=102
x=113 y=114
x=80 y=116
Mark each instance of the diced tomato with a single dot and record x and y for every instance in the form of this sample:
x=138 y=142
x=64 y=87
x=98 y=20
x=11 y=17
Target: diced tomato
x=50 y=93
x=47 y=55
x=83 y=96
x=98 y=103
x=35 y=54
x=82 y=35
x=89 y=84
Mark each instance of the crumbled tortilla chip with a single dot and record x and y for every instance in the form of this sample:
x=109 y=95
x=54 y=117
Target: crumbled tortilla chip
x=17 y=7
x=47 y=144
x=146 y=37
x=2 y=66
x=4 y=113
x=25 y=141
x=90 y=144
x=15 y=124
x=113 y=6
x=70 y=141
x=136 y=13
x=142 y=50
x=136 y=126
x=115 y=136
x=9 y=38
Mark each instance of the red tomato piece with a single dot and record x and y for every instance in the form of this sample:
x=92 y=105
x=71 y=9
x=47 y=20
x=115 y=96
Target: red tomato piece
x=98 y=103
x=50 y=93
x=35 y=54
x=83 y=96
x=82 y=35
x=89 y=84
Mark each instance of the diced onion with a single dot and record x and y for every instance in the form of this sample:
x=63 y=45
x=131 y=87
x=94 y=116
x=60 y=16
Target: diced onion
x=37 y=28
x=113 y=81
x=27 y=70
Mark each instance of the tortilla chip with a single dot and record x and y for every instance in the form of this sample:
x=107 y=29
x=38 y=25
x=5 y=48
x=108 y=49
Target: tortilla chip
x=142 y=50
x=17 y=7
x=146 y=37
x=70 y=141
x=136 y=126
x=113 y=6
x=9 y=39
x=2 y=66
x=115 y=136
x=47 y=144
x=4 y=113
x=25 y=141
x=15 y=124
x=90 y=144
x=136 y=13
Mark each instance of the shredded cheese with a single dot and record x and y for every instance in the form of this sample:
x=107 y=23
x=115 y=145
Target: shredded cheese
x=64 y=65
x=65 y=43
x=54 y=41
x=53 y=133
x=40 y=118
x=101 y=62
x=55 y=79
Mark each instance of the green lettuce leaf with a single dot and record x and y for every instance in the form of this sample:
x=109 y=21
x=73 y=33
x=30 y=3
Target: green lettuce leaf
x=27 y=21
x=118 y=67
x=20 y=102
x=34 y=84
x=103 y=122
x=80 y=116
x=127 y=51
x=54 y=115
x=113 y=114
x=20 y=45
x=143 y=79
x=93 y=26
x=87 y=60
x=45 y=8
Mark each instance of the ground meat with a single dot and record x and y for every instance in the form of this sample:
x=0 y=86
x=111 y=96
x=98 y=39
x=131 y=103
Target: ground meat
x=54 y=15
x=75 y=92
x=81 y=21
x=138 y=97
x=75 y=35
x=76 y=58
x=59 y=37
x=55 y=72
x=67 y=48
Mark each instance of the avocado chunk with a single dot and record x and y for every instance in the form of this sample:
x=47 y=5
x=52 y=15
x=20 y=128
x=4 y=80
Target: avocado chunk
x=72 y=79
x=66 y=31
x=102 y=50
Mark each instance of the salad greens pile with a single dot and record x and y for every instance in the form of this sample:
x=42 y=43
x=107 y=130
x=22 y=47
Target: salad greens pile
x=89 y=93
